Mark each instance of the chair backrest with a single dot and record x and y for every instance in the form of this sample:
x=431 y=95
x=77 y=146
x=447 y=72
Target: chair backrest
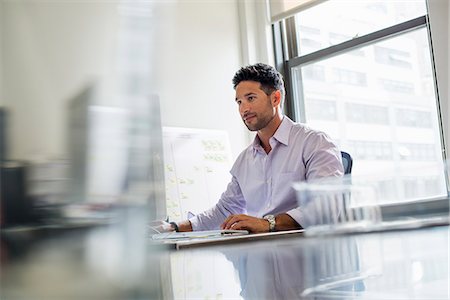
x=347 y=162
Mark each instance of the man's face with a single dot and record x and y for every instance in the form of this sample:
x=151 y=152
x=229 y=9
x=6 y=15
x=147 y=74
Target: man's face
x=255 y=106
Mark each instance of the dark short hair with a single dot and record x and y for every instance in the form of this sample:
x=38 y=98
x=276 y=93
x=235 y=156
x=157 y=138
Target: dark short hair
x=269 y=78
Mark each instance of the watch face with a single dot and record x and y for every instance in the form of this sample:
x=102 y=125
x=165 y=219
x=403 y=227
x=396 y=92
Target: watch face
x=271 y=220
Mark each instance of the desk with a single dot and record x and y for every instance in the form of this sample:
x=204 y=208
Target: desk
x=83 y=264
x=227 y=240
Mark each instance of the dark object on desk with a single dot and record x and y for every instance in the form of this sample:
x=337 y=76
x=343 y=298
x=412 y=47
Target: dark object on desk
x=15 y=206
x=347 y=162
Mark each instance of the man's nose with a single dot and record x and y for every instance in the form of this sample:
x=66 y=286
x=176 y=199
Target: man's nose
x=244 y=108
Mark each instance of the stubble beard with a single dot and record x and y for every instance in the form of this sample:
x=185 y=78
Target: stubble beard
x=261 y=123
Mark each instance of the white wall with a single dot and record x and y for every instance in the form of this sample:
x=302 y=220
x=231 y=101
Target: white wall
x=439 y=11
x=50 y=50
x=198 y=58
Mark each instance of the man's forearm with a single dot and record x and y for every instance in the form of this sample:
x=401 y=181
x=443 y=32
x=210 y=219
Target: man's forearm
x=285 y=222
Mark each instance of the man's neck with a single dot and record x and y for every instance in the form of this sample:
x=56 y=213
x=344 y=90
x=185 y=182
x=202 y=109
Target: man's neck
x=267 y=132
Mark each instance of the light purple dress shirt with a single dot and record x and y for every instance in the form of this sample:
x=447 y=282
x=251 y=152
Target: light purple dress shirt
x=261 y=183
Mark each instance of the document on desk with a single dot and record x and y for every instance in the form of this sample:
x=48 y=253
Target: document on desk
x=197 y=234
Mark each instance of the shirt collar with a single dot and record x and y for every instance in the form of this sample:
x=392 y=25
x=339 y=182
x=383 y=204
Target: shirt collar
x=281 y=135
x=283 y=131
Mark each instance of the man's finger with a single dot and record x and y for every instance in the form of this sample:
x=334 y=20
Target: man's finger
x=231 y=220
x=225 y=222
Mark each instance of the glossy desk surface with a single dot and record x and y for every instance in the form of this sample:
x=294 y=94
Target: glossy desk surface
x=98 y=264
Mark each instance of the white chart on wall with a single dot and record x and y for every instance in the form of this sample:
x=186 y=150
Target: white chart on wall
x=197 y=163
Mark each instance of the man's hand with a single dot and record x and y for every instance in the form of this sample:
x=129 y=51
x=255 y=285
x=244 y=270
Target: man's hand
x=245 y=222
x=160 y=227
x=256 y=225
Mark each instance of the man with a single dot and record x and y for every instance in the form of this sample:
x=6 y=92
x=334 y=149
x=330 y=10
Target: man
x=260 y=197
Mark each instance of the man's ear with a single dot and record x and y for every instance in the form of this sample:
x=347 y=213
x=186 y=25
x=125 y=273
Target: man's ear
x=276 y=98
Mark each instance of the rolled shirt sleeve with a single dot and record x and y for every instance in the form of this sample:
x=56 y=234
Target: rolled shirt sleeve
x=231 y=202
x=322 y=159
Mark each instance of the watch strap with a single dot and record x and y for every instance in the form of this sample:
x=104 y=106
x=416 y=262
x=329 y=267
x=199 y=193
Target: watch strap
x=175 y=226
x=271 y=220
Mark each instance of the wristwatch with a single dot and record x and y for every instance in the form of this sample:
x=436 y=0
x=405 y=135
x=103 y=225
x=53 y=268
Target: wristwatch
x=175 y=226
x=271 y=220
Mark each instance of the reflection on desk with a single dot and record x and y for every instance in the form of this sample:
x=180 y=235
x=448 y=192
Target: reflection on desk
x=291 y=272
x=390 y=265
x=410 y=264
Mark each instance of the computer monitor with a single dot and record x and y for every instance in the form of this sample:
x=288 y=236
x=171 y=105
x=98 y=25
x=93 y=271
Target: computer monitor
x=115 y=152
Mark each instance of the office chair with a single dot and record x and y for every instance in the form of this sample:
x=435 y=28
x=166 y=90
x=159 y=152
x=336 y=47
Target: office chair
x=347 y=162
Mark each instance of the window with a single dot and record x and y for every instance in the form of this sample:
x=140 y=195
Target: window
x=413 y=118
x=310 y=38
x=349 y=77
x=363 y=113
x=397 y=86
x=336 y=38
x=322 y=110
x=370 y=150
x=367 y=80
x=314 y=72
x=393 y=57
x=347 y=20
x=417 y=152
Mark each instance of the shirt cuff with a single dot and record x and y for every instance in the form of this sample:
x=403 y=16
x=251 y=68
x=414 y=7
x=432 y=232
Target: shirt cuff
x=195 y=223
x=297 y=215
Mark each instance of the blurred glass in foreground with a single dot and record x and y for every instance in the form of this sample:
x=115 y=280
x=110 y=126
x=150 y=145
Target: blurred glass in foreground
x=76 y=225
x=399 y=198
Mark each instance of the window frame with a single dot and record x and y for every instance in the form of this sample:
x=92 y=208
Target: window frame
x=287 y=58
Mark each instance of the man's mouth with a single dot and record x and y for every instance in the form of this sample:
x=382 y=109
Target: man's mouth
x=249 y=117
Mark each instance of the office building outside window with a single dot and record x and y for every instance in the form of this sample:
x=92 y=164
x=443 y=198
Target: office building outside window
x=364 y=75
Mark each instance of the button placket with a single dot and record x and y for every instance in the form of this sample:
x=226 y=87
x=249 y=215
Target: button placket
x=268 y=174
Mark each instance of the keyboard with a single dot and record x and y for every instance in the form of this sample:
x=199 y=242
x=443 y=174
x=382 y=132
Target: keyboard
x=197 y=234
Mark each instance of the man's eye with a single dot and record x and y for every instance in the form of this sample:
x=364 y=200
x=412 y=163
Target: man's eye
x=239 y=102
x=251 y=98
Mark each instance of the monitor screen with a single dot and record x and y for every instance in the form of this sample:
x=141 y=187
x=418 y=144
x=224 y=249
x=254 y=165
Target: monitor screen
x=115 y=152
